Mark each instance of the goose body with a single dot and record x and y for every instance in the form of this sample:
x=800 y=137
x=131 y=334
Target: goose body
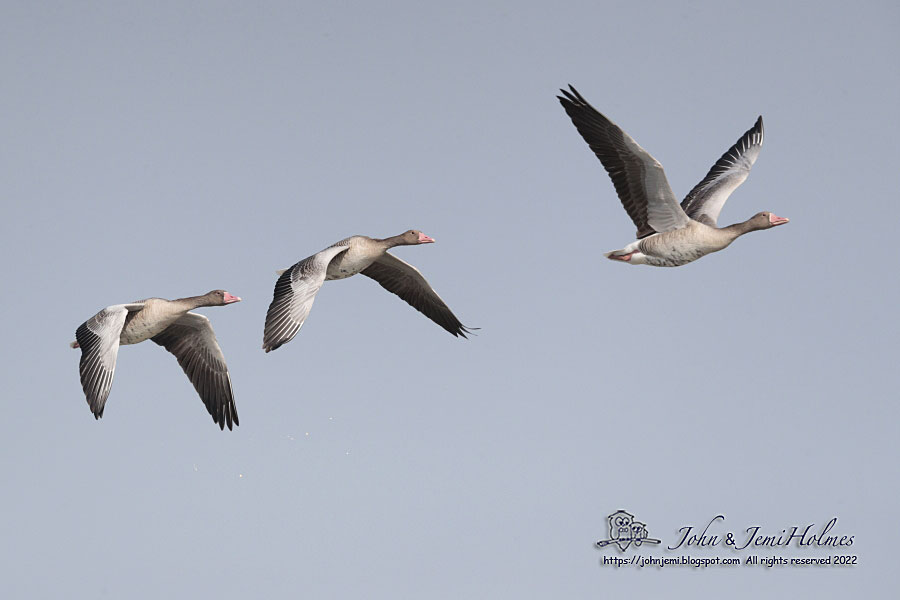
x=669 y=234
x=360 y=253
x=297 y=286
x=675 y=248
x=154 y=317
x=171 y=324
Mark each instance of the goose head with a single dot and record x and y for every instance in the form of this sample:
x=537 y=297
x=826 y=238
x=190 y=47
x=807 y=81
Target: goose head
x=758 y=222
x=414 y=236
x=221 y=298
x=766 y=220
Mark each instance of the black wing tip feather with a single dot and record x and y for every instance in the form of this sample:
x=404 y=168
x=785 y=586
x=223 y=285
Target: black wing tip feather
x=572 y=95
x=446 y=320
x=463 y=331
x=228 y=416
x=221 y=423
x=225 y=415
x=595 y=128
x=222 y=407
x=574 y=103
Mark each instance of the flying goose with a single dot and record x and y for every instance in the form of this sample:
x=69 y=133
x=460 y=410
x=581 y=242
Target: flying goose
x=668 y=235
x=297 y=286
x=187 y=335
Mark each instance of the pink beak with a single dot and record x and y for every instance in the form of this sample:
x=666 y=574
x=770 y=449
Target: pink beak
x=424 y=239
x=229 y=298
x=776 y=220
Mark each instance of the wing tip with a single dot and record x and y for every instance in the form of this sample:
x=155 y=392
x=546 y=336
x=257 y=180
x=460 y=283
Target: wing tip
x=464 y=331
x=758 y=126
x=572 y=92
x=225 y=414
x=270 y=346
x=572 y=97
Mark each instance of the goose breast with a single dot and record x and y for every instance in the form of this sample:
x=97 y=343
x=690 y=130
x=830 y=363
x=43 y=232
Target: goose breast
x=359 y=256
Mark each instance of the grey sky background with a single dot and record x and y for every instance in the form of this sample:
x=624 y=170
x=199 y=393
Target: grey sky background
x=174 y=148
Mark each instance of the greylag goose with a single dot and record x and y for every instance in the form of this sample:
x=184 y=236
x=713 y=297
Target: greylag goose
x=297 y=286
x=187 y=335
x=668 y=235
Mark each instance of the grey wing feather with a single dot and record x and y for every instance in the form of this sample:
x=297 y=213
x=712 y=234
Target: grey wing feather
x=404 y=280
x=98 y=338
x=193 y=342
x=295 y=292
x=639 y=179
x=705 y=201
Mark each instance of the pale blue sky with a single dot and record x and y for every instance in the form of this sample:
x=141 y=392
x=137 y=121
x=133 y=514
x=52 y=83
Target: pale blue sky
x=167 y=149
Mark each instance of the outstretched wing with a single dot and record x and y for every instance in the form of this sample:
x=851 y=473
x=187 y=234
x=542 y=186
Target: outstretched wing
x=705 y=201
x=406 y=281
x=295 y=291
x=193 y=342
x=639 y=179
x=98 y=338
